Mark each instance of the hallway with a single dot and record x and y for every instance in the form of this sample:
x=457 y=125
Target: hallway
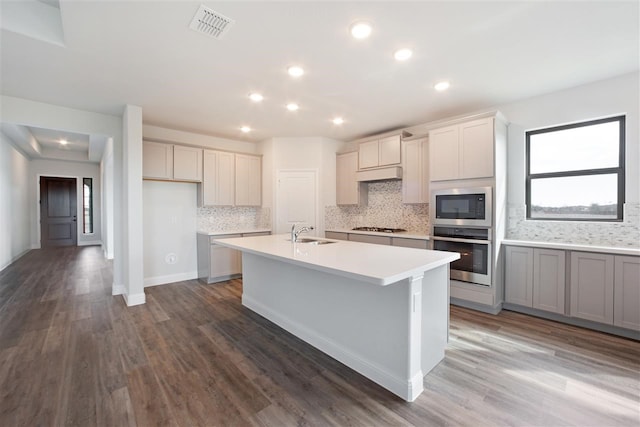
x=73 y=355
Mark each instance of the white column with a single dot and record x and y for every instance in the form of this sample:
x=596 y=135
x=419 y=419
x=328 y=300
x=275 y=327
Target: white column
x=132 y=205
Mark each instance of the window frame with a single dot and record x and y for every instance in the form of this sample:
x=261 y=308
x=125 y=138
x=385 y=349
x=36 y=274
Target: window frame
x=91 y=216
x=619 y=170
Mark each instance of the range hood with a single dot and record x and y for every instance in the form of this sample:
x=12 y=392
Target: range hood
x=394 y=172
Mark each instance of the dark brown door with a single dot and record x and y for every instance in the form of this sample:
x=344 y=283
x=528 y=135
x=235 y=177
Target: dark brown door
x=58 y=210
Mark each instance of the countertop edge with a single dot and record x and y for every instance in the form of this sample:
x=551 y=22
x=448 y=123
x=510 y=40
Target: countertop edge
x=573 y=247
x=241 y=231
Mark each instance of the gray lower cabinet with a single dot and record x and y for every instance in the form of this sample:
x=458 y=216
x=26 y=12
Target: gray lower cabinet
x=217 y=263
x=336 y=235
x=366 y=238
x=410 y=243
x=535 y=278
x=626 y=290
x=379 y=240
x=592 y=276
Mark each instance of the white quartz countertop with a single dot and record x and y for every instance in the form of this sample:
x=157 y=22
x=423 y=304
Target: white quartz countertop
x=402 y=234
x=377 y=264
x=574 y=247
x=238 y=231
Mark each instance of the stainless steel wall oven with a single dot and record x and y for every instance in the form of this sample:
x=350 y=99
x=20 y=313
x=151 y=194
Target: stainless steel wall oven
x=474 y=247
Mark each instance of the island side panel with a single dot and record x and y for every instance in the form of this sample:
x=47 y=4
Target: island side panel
x=360 y=324
x=435 y=316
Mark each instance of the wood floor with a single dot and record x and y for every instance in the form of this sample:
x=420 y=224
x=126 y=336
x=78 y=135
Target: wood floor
x=71 y=354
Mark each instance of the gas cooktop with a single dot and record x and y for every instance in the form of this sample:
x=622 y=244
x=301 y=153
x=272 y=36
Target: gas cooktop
x=379 y=229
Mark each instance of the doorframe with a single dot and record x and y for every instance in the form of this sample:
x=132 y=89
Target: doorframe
x=79 y=206
x=319 y=226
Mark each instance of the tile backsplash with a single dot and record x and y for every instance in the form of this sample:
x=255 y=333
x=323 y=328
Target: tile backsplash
x=384 y=209
x=224 y=218
x=617 y=234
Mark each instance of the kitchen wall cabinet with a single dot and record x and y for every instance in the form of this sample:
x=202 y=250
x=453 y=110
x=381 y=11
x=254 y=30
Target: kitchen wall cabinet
x=379 y=152
x=535 y=278
x=348 y=190
x=231 y=179
x=171 y=162
x=248 y=180
x=218 y=184
x=592 y=278
x=217 y=263
x=415 y=171
x=462 y=151
x=626 y=290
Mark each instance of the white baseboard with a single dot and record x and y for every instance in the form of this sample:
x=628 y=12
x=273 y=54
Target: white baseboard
x=14 y=259
x=90 y=243
x=135 y=299
x=170 y=278
x=36 y=246
x=404 y=388
x=117 y=289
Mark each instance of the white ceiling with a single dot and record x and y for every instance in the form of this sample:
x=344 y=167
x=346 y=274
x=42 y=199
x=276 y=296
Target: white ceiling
x=50 y=139
x=143 y=53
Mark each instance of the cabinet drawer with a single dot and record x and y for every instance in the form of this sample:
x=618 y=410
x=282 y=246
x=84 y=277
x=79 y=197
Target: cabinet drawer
x=336 y=235
x=410 y=243
x=363 y=238
x=260 y=233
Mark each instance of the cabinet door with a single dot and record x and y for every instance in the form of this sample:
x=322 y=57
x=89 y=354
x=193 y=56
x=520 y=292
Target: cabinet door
x=365 y=238
x=157 y=160
x=248 y=180
x=476 y=149
x=389 y=151
x=336 y=235
x=409 y=243
x=592 y=286
x=443 y=153
x=224 y=261
x=626 y=308
x=519 y=276
x=368 y=155
x=415 y=179
x=549 y=280
x=218 y=178
x=187 y=164
x=348 y=190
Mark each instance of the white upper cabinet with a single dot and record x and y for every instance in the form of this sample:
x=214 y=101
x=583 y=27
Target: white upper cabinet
x=248 y=180
x=171 y=162
x=187 y=164
x=462 y=151
x=231 y=179
x=348 y=190
x=379 y=152
x=218 y=184
x=157 y=160
x=415 y=171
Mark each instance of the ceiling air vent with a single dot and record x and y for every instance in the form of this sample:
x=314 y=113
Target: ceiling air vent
x=211 y=23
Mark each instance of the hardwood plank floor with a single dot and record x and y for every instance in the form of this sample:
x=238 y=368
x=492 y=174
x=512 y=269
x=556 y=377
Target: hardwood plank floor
x=71 y=354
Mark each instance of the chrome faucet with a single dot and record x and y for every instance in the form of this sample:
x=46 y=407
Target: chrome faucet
x=295 y=233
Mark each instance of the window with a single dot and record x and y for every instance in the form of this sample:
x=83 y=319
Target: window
x=576 y=172
x=87 y=205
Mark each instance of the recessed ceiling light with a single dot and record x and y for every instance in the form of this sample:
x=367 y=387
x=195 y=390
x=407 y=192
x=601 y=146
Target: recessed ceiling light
x=338 y=121
x=295 y=71
x=402 y=54
x=292 y=107
x=245 y=129
x=360 y=29
x=256 y=97
x=444 y=85
x=63 y=142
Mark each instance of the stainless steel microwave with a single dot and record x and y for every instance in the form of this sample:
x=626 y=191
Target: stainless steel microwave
x=462 y=206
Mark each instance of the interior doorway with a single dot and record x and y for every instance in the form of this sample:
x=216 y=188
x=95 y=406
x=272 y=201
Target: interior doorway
x=296 y=200
x=58 y=212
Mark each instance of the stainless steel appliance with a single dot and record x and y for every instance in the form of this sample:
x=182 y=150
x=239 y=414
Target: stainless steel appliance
x=462 y=207
x=474 y=247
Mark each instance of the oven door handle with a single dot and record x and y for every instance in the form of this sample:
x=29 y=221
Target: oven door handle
x=454 y=239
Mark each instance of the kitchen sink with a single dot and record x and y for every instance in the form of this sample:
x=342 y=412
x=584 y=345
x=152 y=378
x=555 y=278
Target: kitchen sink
x=313 y=241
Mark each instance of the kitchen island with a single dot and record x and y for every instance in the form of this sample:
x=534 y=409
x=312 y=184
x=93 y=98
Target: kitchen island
x=381 y=310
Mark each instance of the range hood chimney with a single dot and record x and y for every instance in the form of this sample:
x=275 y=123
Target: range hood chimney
x=394 y=172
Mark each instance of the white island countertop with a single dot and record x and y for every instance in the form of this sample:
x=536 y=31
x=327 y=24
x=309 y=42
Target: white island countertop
x=235 y=231
x=377 y=264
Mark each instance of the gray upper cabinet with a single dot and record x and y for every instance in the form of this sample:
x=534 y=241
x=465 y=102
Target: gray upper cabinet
x=348 y=190
x=170 y=162
x=231 y=179
x=379 y=152
x=415 y=171
x=248 y=180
